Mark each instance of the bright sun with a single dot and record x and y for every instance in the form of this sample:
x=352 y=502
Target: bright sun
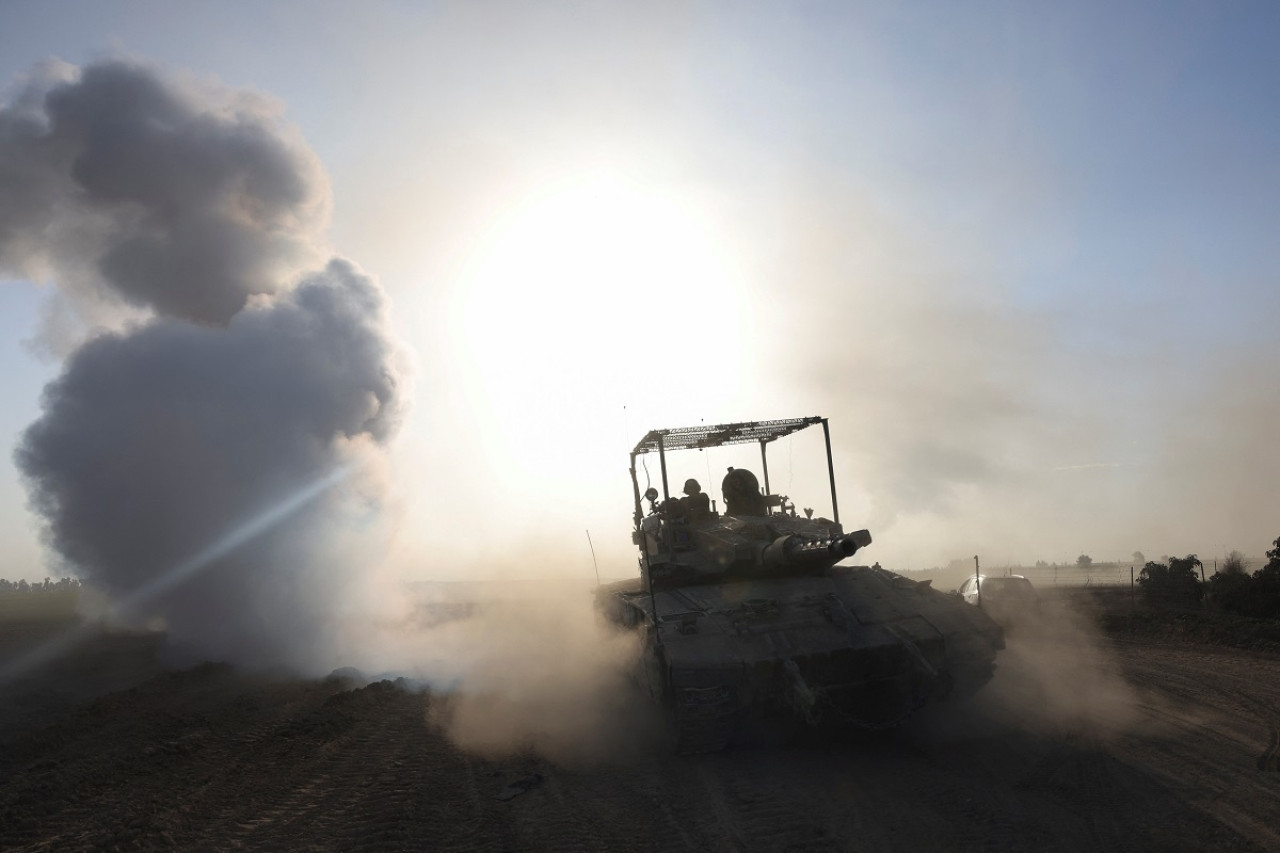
x=593 y=296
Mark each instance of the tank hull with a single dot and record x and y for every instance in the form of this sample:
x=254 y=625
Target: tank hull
x=854 y=647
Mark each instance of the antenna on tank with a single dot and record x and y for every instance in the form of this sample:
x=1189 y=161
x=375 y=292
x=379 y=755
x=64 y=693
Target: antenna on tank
x=593 y=558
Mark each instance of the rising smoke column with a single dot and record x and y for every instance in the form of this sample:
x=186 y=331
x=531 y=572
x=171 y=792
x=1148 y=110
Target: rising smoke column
x=164 y=194
x=245 y=381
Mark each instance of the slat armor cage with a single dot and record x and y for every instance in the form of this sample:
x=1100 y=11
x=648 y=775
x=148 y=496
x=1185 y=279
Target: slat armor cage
x=663 y=441
x=718 y=435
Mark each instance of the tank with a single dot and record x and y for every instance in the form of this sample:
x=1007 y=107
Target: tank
x=748 y=614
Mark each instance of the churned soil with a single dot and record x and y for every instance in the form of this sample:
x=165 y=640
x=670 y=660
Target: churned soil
x=1168 y=746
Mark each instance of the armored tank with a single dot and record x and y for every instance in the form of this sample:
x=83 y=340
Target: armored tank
x=747 y=614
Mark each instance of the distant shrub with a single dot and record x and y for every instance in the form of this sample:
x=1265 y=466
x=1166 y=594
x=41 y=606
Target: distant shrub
x=1175 y=582
x=21 y=600
x=1234 y=564
x=22 y=587
x=1234 y=590
x=1266 y=581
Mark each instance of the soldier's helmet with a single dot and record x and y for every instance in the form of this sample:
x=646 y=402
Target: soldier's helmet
x=740 y=486
x=691 y=486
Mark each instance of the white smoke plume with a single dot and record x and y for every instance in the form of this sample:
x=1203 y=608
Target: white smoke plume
x=239 y=384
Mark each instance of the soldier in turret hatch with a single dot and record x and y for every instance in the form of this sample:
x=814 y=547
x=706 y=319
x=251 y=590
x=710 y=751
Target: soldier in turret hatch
x=742 y=493
x=697 y=504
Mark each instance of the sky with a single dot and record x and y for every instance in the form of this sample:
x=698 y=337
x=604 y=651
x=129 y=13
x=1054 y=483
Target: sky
x=1022 y=255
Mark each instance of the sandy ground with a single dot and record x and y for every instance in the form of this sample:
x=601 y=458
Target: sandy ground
x=1095 y=746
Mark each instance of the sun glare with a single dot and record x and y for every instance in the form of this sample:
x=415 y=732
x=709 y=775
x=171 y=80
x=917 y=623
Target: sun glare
x=591 y=297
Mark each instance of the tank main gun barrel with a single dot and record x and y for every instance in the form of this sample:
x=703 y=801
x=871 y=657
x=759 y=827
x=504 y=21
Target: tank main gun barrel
x=797 y=550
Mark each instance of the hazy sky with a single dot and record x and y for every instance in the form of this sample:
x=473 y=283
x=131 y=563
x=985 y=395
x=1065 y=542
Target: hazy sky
x=1024 y=255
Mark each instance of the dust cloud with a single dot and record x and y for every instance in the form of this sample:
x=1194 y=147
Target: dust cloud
x=1056 y=675
x=546 y=678
x=517 y=667
x=973 y=414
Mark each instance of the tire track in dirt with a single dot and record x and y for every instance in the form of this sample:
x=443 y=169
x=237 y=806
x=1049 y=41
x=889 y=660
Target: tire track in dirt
x=954 y=798
x=270 y=762
x=1269 y=760
x=370 y=786
x=1218 y=721
x=761 y=807
x=667 y=802
x=977 y=823
x=1080 y=778
x=370 y=797
x=1211 y=704
x=686 y=813
x=560 y=815
x=378 y=803
x=1267 y=717
x=810 y=797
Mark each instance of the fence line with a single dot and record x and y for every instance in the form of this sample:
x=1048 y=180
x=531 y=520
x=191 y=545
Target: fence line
x=1098 y=574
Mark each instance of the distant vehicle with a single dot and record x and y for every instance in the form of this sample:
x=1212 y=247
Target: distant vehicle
x=743 y=612
x=1006 y=598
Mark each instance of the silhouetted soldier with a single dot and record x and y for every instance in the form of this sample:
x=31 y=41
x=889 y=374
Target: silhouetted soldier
x=697 y=504
x=742 y=493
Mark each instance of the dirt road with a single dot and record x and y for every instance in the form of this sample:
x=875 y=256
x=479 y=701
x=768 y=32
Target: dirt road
x=1167 y=747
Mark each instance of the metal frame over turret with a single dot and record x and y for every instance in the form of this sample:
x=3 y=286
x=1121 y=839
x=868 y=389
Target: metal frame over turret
x=684 y=541
x=719 y=435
